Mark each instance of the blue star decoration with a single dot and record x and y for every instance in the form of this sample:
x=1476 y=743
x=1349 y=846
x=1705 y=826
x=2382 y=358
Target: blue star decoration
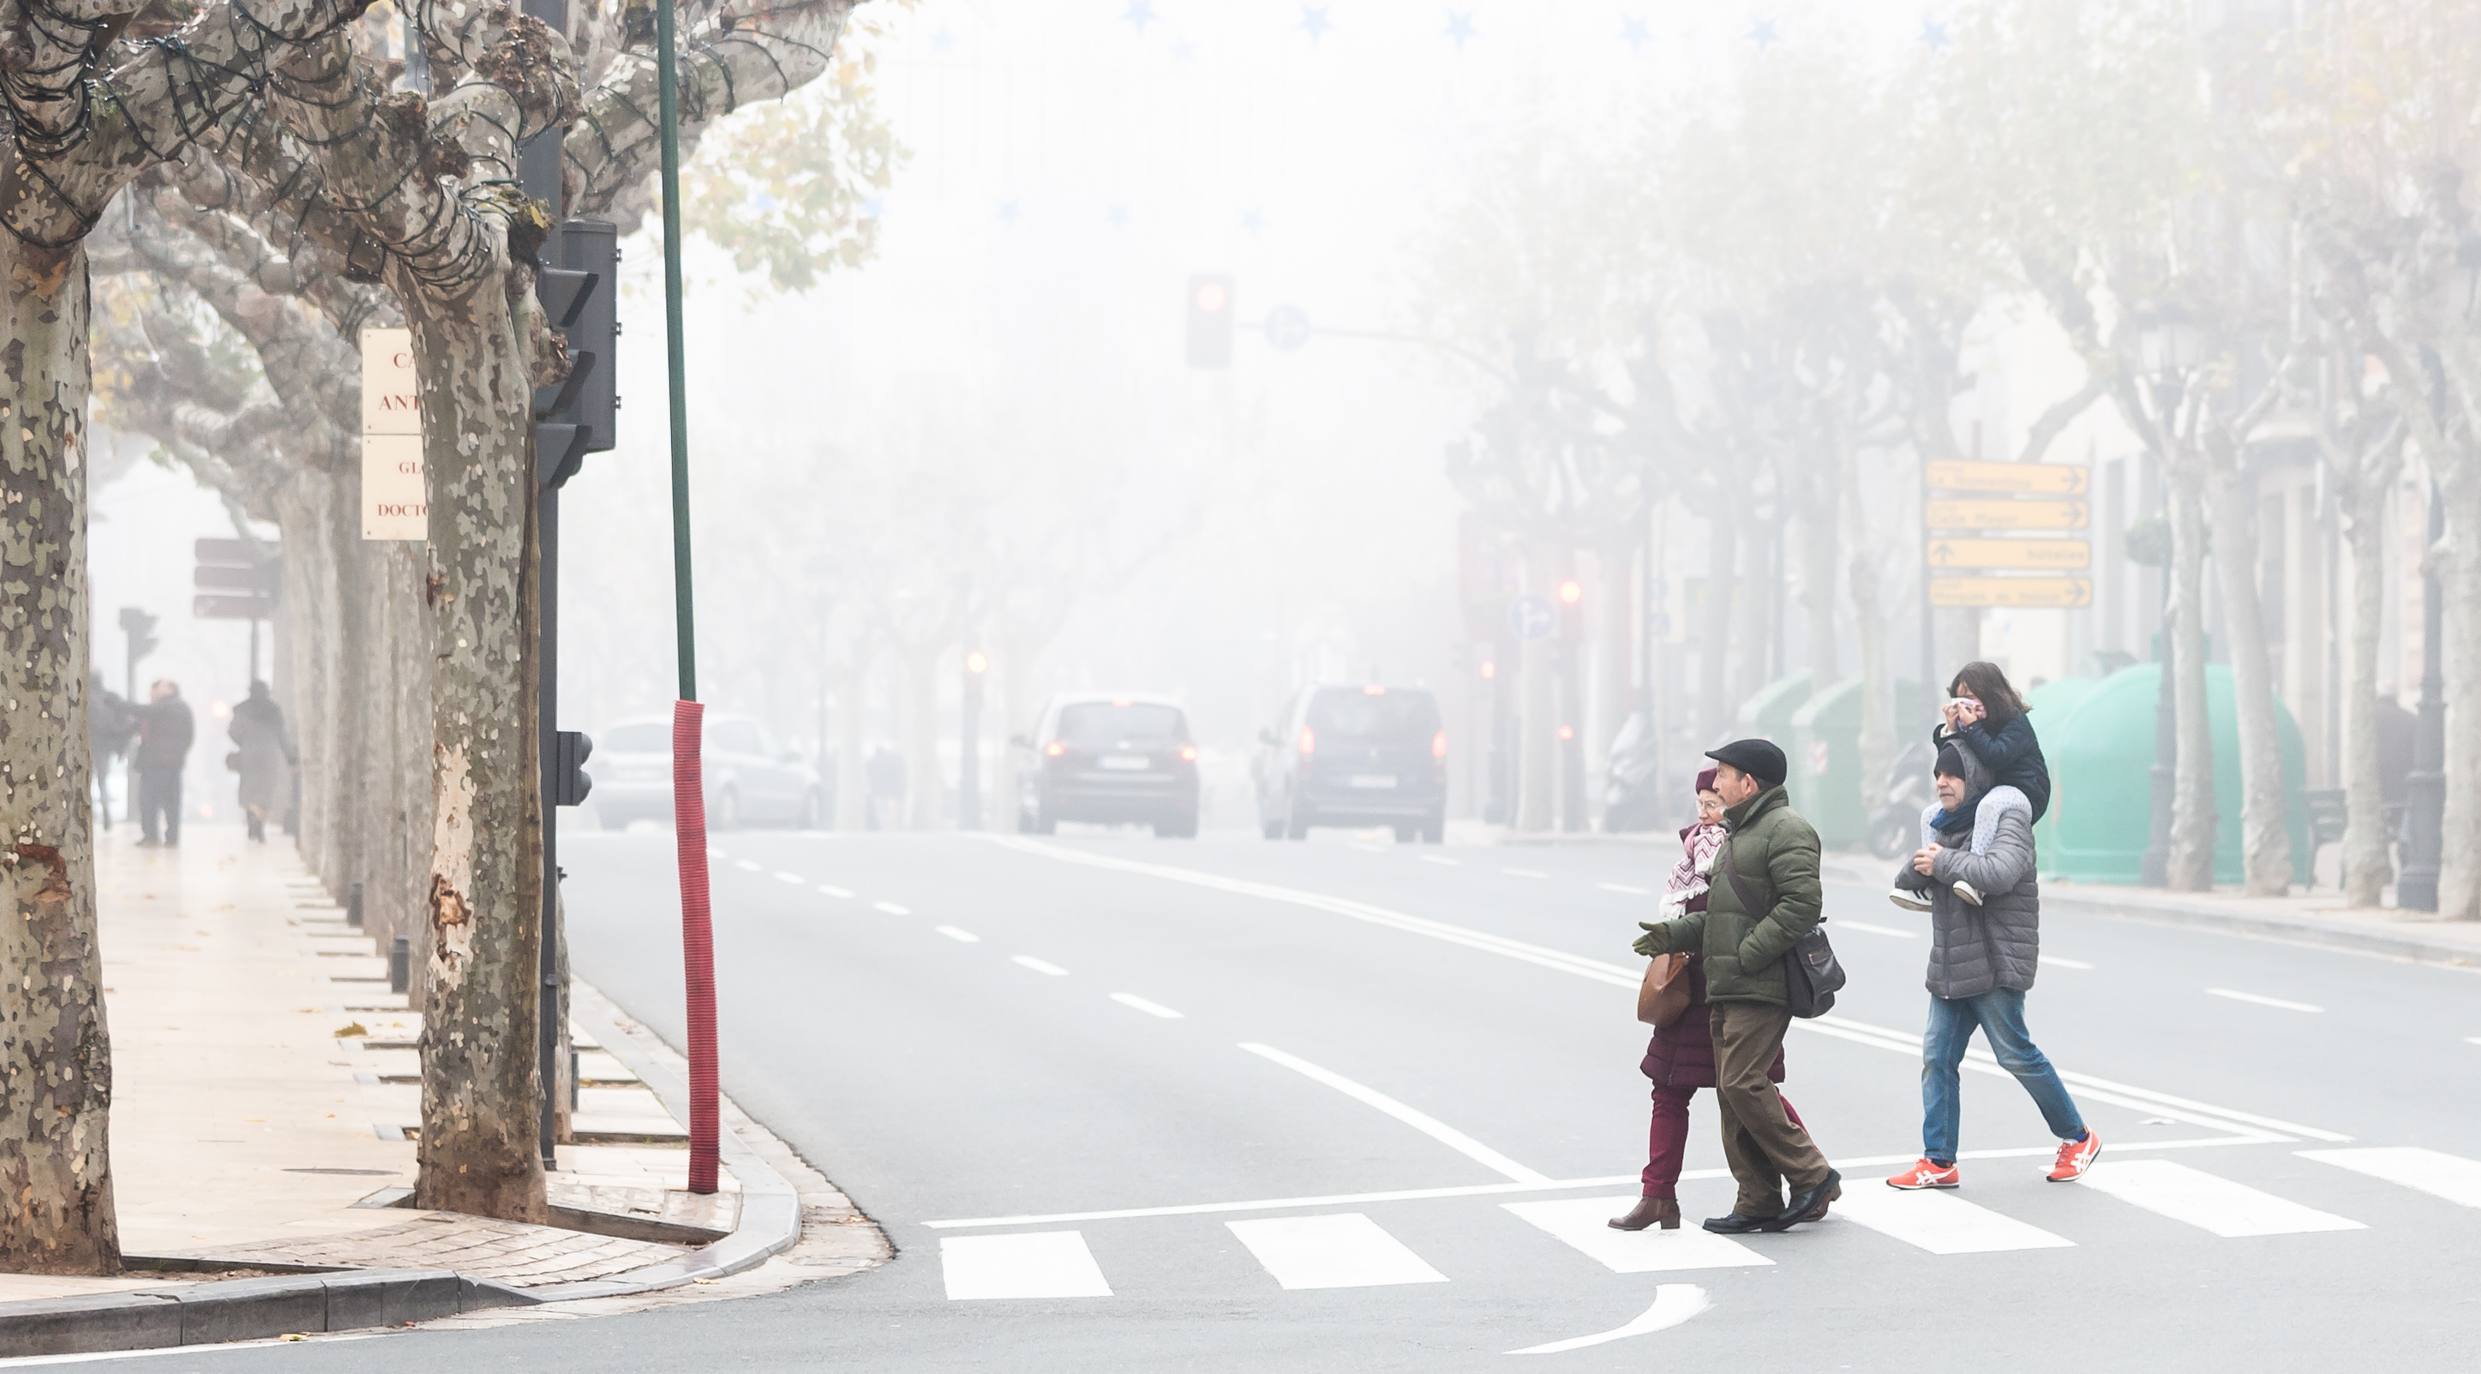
x=1008 y=210
x=1762 y=33
x=942 y=41
x=1934 y=34
x=874 y=207
x=1460 y=27
x=1252 y=221
x=1118 y=215
x=1140 y=14
x=1314 y=21
x=1634 y=33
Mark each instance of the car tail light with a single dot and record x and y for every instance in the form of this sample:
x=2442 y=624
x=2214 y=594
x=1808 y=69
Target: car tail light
x=1054 y=749
x=1438 y=745
x=1309 y=741
x=1374 y=690
x=1188 y=753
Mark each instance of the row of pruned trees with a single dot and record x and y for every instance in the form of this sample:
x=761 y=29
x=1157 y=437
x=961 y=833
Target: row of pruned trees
x=1782 y=283
x=231 y=191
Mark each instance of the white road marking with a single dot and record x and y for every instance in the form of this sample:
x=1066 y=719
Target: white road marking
x=2452 y=1177
x=794 y=878
x=2206 y=1201
x=1584 y=1223
x=1346 y=1250
x=1040 y=965
x=841 y=894
x=1557 y=1185
x=749 y=865
x=1420 y=1121
x=891 y=908
x=1130 y=999
x=962 y=937
x=1368 y=848
x=2249 y=1126
x=1442 y=861
x=1891 y=932
x=1626 y=890
x=1524 y=873
x=1674 y=1303
x=2061 y=961
x=713 y=853
x=2254 y=1000
x=1941 y=1223
x=1041 y=1264
x=2472 y=1039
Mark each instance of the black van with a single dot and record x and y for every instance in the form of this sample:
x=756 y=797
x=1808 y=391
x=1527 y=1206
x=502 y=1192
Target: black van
x=1352 y=756
x=1119 y=760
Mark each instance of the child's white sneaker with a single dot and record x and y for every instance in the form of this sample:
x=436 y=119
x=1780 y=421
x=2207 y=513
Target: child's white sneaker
x=1908 y=899
x=1970 y=894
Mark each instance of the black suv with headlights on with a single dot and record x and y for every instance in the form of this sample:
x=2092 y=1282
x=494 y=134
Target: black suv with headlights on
x=1118 y=760
x=1366 y=755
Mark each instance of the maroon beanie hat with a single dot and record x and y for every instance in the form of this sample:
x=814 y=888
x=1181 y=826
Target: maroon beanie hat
x=1705 y=780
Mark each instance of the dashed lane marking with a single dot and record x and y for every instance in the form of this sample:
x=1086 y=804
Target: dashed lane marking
x=841 y=894
x=1524 y=873
x=794 y=878
x=1137 y=1003
x=1866 y=928
x=2061 y=961
x=1420 y=1121
x=1441 y=860
x=1041 y=966
x=890 y=908
x=2255 y=1000
x=1626 y=890
x=749 y=865
x=962 y=937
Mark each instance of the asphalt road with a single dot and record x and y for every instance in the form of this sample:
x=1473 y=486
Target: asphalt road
x=1126 y=1104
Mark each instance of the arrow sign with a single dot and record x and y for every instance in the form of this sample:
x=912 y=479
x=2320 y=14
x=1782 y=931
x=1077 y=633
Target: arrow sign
x=1287 y=327
x=2009 y=515
x=2042 y=592
x=2032 y=479
x=2028 y=555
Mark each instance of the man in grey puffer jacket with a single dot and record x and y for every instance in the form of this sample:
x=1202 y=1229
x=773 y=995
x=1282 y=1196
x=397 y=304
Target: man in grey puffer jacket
x=1984 y=896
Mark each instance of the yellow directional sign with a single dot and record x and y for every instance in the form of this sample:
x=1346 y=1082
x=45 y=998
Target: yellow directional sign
x=2025 y=555
x=2032 y=479
x=2009 y=515
x=2011 y=591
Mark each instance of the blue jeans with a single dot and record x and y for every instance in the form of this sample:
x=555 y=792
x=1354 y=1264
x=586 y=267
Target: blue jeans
x=2000 y=1016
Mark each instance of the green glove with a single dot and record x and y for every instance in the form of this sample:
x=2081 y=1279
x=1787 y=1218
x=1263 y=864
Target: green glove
x=1646 y=944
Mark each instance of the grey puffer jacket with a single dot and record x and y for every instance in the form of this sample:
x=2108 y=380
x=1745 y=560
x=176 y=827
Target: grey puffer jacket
x=1975 y=949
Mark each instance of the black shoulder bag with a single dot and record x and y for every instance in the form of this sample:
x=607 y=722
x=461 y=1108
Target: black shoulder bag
x=1812 y=975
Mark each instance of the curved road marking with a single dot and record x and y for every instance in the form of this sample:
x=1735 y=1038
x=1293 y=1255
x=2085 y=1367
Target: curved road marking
x=1674 y=1303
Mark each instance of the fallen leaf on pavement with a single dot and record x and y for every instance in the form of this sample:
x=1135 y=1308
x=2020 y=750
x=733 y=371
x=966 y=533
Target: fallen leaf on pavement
x=351 y=1028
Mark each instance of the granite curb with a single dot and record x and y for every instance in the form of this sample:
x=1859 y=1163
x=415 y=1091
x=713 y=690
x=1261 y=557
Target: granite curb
x=347 y=1299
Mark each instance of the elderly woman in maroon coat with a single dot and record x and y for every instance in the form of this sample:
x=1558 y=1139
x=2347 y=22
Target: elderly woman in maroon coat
x=1680 y=1058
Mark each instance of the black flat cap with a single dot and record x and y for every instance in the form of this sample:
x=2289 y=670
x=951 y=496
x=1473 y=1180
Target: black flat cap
x=1758 y=758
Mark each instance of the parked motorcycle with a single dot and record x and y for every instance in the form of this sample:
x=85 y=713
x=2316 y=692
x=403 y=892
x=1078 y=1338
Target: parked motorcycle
x=1895 y=827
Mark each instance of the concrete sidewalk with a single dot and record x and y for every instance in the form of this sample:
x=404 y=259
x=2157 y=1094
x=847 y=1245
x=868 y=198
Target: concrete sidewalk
x=265 y=1082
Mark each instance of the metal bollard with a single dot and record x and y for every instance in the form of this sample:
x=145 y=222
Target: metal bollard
x=572 y=1078
x=353 y=906
x=400 y=965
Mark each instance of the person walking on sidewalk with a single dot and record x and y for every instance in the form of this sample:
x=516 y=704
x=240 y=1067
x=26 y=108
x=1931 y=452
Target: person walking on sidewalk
x=263 y=756
x=1679 y=1059
x=165 y=732
x=1768 y=896
x=1984 y=950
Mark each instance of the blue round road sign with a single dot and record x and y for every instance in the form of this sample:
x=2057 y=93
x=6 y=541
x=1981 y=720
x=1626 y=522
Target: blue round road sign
x=1287 y=327
x=1532 y=617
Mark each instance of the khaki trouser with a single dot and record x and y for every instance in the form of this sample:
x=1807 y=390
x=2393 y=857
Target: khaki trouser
x=1763 y=1145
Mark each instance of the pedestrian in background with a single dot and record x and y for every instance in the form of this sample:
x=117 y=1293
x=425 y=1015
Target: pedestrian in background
x=1679 y=1059
x=1768 y=895
x=111 y=728
x=1983 y=955
x=165 y=733
x=263 y=756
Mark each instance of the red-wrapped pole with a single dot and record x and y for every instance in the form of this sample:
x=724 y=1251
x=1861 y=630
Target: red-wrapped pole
x=697 y=938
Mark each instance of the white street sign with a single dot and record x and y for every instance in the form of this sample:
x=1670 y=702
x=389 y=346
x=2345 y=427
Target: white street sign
x=395 y=500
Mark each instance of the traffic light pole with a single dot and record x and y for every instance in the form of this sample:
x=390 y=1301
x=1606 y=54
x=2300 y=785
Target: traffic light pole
x=539 y=168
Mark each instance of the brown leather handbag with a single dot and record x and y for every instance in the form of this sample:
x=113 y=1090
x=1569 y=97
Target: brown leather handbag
x=1662 y=998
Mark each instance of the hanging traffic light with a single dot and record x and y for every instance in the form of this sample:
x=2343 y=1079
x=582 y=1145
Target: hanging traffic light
x=1210 y=320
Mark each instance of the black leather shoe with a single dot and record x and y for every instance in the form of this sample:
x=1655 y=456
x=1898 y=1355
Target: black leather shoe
x=1734 y=1224
x=1808 y=1204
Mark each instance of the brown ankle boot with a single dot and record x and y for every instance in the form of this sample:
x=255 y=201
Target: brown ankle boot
x=1648 y=1212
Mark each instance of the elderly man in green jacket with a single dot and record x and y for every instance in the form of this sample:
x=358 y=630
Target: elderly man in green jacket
x=1766 y=896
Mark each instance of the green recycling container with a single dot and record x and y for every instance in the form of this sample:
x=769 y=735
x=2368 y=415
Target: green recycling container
x=2098 y=734
x=1768 y=714
x=1824 y=748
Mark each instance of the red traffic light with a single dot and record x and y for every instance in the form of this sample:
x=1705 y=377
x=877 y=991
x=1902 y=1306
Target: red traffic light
x=1571 y=592
x=1211 y=296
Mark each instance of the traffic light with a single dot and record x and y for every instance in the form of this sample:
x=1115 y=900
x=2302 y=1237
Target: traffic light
x=569 y=781
x=139 y=627
x=578 y=284
x=1210 y=320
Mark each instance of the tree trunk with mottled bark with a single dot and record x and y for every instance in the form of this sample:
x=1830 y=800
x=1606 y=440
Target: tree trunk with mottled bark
x=2191 y=864
x=2459 y=576
x=481 y=1086
x=2368 y=855
x=56 y=1214
x=2265 y=813
x=1714 y=704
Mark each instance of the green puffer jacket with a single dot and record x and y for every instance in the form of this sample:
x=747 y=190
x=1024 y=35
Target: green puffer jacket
x=1776 y=853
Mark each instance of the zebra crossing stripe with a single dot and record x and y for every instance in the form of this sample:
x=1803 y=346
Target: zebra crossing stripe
x=2207 y=1202
x=1037 y=1264
x=1941 y=1223
x=1583 y=1224
x=2452 y=1177
x=1346 y=1250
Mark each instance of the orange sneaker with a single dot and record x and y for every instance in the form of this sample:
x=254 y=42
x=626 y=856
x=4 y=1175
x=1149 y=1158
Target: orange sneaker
x=2075 y=1157
x=1927 y=1175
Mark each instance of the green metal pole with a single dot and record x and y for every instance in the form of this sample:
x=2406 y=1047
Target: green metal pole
x=684 y=609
